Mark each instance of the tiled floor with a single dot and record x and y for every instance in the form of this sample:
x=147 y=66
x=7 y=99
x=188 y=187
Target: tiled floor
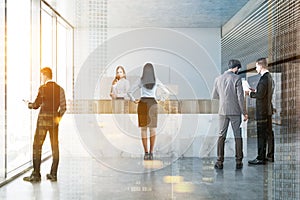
x=83 y=177
x=187 y=178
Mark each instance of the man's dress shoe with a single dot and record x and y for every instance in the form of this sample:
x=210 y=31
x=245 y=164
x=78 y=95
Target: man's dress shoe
x=51 y=177
x=256 y=162
x=239 y=165
x=32 y=178
x=218 y=165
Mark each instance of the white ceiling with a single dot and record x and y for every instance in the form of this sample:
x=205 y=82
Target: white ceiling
x=171 y=13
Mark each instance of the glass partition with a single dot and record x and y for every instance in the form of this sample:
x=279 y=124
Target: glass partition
x=47 y=40
x=57 y=51
x=57 y=48
x=61 y=55
x=18 y=83
x=2 y=89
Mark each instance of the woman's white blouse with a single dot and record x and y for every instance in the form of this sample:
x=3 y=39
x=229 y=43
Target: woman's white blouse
x=148 y=92
x=121 y=88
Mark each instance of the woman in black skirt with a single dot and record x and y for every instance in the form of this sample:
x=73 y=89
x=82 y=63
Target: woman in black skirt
x=147 y=106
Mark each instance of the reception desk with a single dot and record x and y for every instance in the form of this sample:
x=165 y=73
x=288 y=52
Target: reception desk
x=187 y=128
x=104 y=106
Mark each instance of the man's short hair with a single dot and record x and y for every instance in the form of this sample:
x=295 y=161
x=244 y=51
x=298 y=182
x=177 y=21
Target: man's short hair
x=47 y=72
x=262 y=62
x=234 y=63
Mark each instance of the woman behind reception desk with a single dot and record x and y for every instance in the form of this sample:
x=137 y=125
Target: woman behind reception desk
x=120 y=86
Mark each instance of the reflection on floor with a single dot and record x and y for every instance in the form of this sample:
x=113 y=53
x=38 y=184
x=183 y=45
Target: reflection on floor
x=84 y=177
x=186 y=178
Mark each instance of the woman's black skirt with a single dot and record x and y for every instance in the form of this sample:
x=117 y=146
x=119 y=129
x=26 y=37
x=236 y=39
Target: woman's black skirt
x=147 y=112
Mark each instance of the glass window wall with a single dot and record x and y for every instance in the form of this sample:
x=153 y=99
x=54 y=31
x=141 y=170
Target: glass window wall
x=47 y=39
x=18 y=83
x=2 y=89
x=65 y=57
x=23 y=51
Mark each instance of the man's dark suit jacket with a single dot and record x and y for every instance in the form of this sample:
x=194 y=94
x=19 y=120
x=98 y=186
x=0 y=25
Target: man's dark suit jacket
x=51 y=100
x=263 y=95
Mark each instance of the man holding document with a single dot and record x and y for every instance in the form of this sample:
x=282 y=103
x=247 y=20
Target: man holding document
x=52 y=104
x=228 y=89
x=264 y=110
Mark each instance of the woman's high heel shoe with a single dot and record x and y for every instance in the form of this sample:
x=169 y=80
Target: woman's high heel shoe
x=146 y=156
x=150 y=156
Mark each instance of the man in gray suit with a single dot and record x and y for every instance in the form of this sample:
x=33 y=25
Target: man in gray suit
x=228 y=89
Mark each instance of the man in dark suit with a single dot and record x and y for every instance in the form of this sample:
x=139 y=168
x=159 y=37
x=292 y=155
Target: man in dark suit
x=228 y=89
x=264 y=110
x=52 y=103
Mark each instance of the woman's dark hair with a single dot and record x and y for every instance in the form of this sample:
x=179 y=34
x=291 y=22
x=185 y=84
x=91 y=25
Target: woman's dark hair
x=148 y=76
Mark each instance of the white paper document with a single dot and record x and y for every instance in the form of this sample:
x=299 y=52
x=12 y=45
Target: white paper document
x=246 y=86
x=243 y=123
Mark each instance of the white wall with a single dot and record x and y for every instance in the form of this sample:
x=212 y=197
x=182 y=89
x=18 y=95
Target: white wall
x=187 y=59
